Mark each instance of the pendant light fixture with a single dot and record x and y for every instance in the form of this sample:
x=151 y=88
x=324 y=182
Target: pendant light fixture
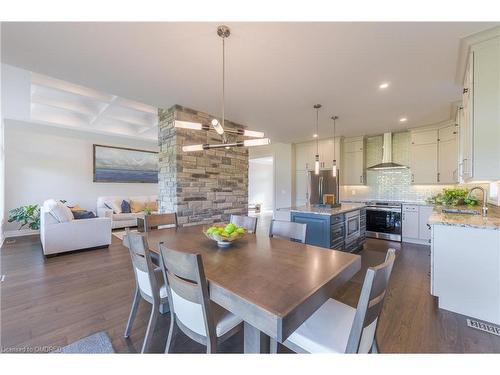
x=316 y=160
x=223 y=32
x=334 y=164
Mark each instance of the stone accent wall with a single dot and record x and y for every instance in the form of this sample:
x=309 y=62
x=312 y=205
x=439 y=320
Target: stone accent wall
x=202 y=187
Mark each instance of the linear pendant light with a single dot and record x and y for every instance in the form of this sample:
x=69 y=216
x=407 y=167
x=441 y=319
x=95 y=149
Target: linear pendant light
x=334 y=164
x=223 y=32
x=316 y=159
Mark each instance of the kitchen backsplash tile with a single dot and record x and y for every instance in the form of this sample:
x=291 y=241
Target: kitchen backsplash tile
x=390 y=185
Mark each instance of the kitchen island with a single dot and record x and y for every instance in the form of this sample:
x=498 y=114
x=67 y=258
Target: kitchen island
x=465 y=263
x=340 y=228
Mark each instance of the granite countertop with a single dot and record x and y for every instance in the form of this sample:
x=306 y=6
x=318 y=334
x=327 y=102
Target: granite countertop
x=416 y=203
x=345 y=207
x=492 y=221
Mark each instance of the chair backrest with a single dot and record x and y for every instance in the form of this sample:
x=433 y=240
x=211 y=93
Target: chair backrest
x=160 y=221
x=142 y=265
x=288 y=230
x=370 y=305
x=188 y=292
x=247 y=222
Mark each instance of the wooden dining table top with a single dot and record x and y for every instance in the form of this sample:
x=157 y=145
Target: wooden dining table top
x=276 y=283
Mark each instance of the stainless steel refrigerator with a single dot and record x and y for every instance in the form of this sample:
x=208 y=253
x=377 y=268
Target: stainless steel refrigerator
x=321 y=184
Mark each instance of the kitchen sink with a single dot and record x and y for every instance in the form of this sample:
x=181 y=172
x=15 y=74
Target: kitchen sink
x=460 y=211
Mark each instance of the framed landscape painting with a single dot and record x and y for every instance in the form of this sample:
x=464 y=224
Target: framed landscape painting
x=119 y=164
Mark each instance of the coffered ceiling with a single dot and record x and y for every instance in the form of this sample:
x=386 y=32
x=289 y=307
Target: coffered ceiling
x=275 y=71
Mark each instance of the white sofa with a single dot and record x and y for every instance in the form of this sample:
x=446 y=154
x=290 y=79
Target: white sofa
x=119 y=219
x=60 y=237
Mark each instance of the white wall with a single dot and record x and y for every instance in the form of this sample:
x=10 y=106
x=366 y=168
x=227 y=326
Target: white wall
x=46 y=162
x=260 y=182
x=282 y=155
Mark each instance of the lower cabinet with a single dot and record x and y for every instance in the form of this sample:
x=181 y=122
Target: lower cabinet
x=465 y=271
x=330 y=230
x=414 y=223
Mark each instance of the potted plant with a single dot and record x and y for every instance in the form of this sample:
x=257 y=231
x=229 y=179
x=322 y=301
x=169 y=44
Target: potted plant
x=453 y=197
x=28 y=215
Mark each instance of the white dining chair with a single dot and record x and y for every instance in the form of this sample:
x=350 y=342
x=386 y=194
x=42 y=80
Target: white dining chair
x=149 y=285
x=247 y=222
x=288 y=230
x=338 y=328
x=192 y=311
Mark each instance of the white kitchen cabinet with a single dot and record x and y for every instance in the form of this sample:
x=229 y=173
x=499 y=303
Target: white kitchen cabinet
x=353 y=161
x=410 y=222
x=414 y=223
x=424 y=229
x=480 y=114
x=465 y=272
x=326 y=152
x=424 y=156
x=448 y=155
x=304 y=156
x=301 y=186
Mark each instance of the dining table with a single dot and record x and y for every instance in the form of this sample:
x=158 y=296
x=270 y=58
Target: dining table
x=272 y=284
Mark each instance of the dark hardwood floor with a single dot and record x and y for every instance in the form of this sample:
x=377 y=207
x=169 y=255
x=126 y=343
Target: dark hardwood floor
x=56 y=301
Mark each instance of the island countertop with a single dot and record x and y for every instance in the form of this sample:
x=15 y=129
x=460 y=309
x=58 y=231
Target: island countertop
x=345 y=207
x=492 y=221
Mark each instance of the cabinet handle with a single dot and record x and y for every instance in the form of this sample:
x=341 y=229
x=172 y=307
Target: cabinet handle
x=361 y=178
x=403 y=215
x=466 y=90
x=412 y=177
x=438 y=175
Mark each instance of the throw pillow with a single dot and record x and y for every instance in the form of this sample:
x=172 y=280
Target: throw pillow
x=125 y=207
x=137 y=206
x=76 y=208
x=83 y=215
x=114 y=205
x=153 y=206
x=61 y=213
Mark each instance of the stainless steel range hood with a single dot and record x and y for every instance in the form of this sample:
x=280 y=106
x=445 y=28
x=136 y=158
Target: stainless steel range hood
x=387 y=162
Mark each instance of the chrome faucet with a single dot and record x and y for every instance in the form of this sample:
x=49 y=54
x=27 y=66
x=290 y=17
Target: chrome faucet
x=485 y=198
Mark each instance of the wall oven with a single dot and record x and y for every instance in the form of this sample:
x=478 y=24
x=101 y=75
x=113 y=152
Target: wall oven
x=383 y=220
x=352 y=226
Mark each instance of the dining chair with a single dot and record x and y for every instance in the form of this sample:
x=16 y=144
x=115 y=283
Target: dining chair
x=288 y=230
x=339 y=328
x=247 y=222
x=191 y=309
x=149 y=285
x=158 y=221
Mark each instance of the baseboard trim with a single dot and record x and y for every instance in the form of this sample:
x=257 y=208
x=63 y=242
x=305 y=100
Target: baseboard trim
x=20 y=233
x=416 y=241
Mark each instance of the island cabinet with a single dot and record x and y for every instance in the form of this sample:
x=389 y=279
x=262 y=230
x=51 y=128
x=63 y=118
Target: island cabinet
x=344 y=230
x=465 y=270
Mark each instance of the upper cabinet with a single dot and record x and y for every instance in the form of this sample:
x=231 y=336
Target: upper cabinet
x=434 y=155
x=353 y=161
x=479 y=116
x=448 y=154
x=424 y=156
x=304 y=156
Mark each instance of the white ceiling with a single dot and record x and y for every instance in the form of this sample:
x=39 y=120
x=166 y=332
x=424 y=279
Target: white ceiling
x=275 y=71
x=60 y=103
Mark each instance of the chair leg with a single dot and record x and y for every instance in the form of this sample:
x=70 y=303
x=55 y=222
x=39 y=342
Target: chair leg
x=211 y=345
x=374 y=349
x=171 y=333
x=151 y=328
x=273 y=346
x=133 y=312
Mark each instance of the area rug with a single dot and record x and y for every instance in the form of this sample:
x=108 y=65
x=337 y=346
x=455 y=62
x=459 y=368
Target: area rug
x=98 y=343
x=121 y=233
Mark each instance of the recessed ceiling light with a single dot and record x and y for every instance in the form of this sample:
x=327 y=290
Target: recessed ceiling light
x=383 y=85
x=403 y=119
x=315 y=136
